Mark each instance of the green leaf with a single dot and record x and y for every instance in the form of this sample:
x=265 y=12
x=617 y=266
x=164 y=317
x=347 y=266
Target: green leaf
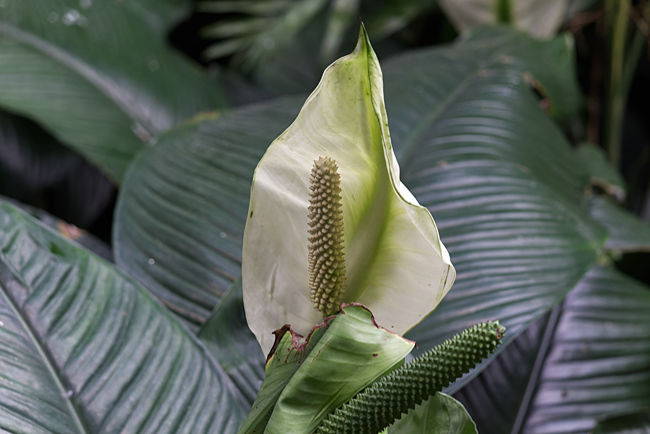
x=602 y=173
x=181 y=211
x=85 y=349
x=290 y=351
x=227 y=336
x=627 y=232
x=590 y=360
x=395 y=263
x=352 y=353
x=439 y=414
x=69 y=231
x=97 y=76
x=505 y=186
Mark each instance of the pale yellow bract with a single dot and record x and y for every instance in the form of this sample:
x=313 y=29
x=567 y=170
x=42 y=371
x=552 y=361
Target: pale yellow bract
x=396 y=264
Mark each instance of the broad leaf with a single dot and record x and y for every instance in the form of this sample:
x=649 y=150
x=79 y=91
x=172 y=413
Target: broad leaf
x=181 y=211
x=227 y=336
x=85 y=349
x=627 y=232
x=439 y=414
x=97 y=76
x=590 y=360
x=504 y=185
x=394 y=261
x=67 y=230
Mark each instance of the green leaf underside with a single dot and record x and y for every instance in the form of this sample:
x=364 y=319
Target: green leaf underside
x=627 y=232
x=180 y=216
x=590 y=362
x=504 y=186
x=87 y=350
x=439 y=414
x=394 y=261
x=348 y=355
x=227 y=336
x=98 y=77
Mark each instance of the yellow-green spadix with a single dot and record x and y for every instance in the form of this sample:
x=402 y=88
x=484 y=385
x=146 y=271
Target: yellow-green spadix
x=395 y=263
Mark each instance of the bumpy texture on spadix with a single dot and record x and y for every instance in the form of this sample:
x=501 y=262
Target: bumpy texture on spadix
x=384 y=401
x=326 y=257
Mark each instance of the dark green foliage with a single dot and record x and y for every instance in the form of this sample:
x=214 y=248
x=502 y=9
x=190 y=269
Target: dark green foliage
x=387 y=399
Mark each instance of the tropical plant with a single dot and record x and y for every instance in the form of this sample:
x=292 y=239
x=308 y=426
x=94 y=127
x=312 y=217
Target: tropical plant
x=158 y=340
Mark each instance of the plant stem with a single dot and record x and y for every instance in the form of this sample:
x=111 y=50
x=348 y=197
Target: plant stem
x=616 y=13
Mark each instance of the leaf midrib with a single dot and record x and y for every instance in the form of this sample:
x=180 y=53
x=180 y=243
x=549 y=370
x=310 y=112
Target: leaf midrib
x=41 y=350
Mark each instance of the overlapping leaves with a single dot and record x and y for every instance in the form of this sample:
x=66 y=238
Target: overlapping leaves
x=85 y=349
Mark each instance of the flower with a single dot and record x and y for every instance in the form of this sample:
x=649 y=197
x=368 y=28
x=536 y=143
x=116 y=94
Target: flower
x=395 y=263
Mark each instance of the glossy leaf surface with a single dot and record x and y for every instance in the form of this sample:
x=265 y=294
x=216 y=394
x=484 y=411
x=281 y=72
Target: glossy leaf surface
x=591 y=360
x=181 y=212
x=99 y=77
x=85 y=349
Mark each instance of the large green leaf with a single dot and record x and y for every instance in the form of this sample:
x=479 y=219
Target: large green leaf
x=439 y=414
x=181 y=212
x=98 y=76
x=590 y=360
x=227 y=336
x=505 y=188
x=85 y=349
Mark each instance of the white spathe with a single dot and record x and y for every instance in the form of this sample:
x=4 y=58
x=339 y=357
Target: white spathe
x=396 y=264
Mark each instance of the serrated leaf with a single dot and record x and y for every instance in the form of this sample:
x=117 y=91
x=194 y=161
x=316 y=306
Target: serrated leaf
x=85 y=349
